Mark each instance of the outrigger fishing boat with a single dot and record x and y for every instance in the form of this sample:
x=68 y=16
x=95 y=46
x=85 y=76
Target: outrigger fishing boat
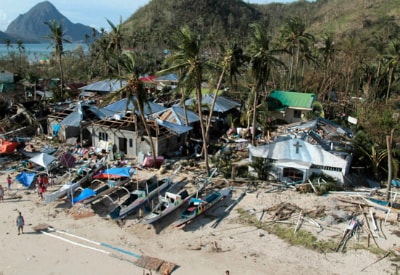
x=174 y=198
x=167 y=204
x=198 y=206
x=119 y=195
x=104 y=188
x=139 y=197
x=383 y=205
x=85 y=175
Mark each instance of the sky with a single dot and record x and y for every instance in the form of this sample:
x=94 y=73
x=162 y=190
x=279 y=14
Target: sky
x=90 y=13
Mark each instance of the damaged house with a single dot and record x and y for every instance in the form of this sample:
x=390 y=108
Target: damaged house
x=72 y=122
x=315 y=147
x=125 y=132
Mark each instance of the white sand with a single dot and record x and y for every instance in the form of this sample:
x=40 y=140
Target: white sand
x=196 y=249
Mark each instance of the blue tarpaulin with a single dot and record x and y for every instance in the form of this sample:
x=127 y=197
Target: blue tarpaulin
x=25 y=178
x=116 y=172
x=85 y=194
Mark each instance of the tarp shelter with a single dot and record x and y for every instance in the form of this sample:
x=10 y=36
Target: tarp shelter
x=67 y=160
x=43 y=160
x=116 y=172
x=25 y=178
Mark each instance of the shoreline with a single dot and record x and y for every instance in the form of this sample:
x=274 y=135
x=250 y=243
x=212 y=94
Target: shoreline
x=92 y=244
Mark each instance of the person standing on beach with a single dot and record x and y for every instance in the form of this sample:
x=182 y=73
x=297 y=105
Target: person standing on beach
x=20 y=223
x=1 y=194
x=9 y=182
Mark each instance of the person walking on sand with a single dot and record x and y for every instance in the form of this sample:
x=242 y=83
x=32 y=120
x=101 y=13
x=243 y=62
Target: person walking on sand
x=1 y=194
x=20 y=223
x=9 y=182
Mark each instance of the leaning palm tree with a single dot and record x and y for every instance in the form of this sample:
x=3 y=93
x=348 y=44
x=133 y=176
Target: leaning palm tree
x=263 y=60
x=134 y=91
x=229 y=65
x=57 y=38
x=187 y=60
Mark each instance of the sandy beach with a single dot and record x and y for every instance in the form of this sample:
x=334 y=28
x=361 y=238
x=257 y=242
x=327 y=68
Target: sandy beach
x=82 y=243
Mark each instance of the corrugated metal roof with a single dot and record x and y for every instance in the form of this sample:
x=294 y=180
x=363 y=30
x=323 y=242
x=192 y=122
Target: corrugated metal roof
x=74 y=119
x=120 y=107
x=297 y=150
x=179 y=129
x=168 y=77
x=294 y=99
x=222 y=104
x=176 y=115
x=88 y=94
x=108 y=85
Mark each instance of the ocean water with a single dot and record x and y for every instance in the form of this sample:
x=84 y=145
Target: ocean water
x=37 y=52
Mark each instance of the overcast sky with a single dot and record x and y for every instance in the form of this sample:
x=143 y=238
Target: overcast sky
x=91 y=13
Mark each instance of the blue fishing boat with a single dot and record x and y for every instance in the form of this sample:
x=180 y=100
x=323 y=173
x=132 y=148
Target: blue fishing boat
x=199 y=206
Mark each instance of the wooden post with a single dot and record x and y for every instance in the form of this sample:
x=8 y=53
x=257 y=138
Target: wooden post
x=389 y=140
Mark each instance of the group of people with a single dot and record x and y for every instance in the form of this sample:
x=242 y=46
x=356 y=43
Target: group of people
x=41 y=185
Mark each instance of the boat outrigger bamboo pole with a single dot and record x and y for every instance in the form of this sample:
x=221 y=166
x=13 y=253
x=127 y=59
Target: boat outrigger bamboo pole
x=89 y=241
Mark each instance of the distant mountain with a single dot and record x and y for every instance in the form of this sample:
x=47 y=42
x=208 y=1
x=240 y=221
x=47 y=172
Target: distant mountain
x=4 y=37
x=31 y=27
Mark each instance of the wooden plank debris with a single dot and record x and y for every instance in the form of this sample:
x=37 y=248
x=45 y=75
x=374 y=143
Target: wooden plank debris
x=155 y=264
x=298 y=222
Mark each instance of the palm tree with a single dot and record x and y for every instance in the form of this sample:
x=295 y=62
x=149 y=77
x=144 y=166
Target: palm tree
x=135 y=92
x=327 y=52
x=263 y=60
x=230 y=64
x=188 y=61
x=115 y=40
x=57 y=38
x=21 y=50
x=392 y=59
x=7 y=41
x=296 y=42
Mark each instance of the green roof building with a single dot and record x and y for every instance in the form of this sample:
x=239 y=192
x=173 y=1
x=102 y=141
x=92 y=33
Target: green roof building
x=290 y=106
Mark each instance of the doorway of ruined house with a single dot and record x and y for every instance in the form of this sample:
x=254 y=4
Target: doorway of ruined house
x=123 y=145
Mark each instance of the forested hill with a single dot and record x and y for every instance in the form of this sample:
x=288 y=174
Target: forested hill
x=229 y=20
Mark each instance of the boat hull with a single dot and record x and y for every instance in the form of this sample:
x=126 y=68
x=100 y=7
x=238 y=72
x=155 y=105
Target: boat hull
x=383 y=205
x=166 y=207
x=138 y=203
x=198 y=207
